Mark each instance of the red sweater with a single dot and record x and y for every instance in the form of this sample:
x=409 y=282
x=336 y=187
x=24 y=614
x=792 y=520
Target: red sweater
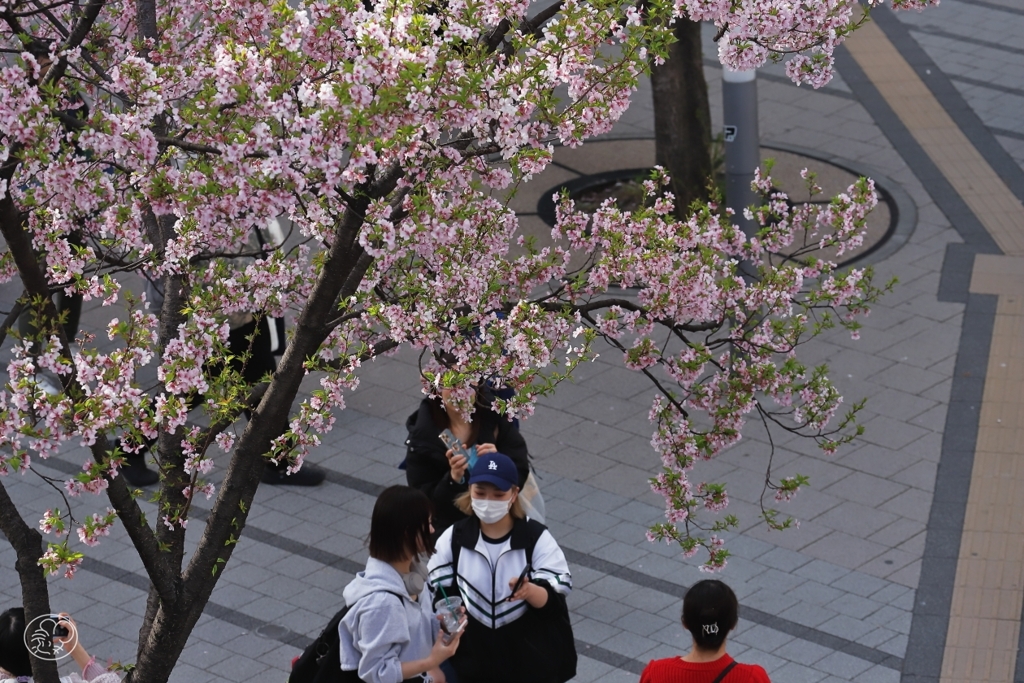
x=675 y=670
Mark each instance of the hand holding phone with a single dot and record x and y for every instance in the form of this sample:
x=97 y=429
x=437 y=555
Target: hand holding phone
x=519 y=583
x=459 y=459
x=453 y=443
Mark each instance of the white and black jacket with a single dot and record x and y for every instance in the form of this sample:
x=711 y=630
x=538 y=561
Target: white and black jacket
x=506 y=641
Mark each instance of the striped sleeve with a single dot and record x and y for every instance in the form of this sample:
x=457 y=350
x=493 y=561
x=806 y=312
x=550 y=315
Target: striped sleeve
x=439 y=569
x=549 y=564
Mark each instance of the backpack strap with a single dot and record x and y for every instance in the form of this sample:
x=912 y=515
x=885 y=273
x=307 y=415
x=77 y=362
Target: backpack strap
x=534 y=531
x=467 y=531
x=401 y=598
x=725 y=671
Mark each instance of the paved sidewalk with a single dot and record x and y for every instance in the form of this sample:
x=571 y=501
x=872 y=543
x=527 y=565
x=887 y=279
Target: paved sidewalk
x=835 y=600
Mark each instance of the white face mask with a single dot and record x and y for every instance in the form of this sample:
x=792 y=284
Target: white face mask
x=491 y=511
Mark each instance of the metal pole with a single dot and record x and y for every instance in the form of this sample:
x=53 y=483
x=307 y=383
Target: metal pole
x=742 y=142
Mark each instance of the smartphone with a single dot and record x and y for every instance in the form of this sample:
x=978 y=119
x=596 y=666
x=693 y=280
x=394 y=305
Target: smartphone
x=453 y=444
x=519 y=581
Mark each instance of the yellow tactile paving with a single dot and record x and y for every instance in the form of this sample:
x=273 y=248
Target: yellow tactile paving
x=984 y=625
x=978 y=185
x=985 y=614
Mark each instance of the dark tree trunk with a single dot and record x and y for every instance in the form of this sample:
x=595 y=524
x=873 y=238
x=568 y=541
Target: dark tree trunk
x=682 y=117
x=28 y=544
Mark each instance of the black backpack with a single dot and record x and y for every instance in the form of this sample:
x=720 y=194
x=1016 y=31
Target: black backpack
x=321 y=661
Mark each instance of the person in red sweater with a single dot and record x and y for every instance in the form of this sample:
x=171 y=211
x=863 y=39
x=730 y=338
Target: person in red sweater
x=710 y=611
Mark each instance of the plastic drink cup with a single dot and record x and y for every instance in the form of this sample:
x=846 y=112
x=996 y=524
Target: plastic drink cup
x=448 y=609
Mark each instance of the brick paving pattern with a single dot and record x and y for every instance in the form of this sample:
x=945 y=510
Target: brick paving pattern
x=831 y=601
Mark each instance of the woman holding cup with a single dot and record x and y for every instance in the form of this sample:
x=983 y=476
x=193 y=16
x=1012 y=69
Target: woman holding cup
x=387 y=636
x=512 y=577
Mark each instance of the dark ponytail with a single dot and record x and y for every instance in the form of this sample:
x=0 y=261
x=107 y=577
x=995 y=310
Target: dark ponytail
x=710 y=611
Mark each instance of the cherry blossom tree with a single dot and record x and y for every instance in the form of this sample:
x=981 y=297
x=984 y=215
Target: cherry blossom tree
x=150 y=138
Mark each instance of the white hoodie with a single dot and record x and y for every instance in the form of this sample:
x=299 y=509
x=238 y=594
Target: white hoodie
x=380 y=630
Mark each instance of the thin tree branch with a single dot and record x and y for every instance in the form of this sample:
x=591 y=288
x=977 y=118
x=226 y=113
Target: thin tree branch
x=11 y=318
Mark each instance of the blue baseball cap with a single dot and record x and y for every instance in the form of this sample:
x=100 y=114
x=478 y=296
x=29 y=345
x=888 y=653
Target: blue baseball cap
x=497 y=469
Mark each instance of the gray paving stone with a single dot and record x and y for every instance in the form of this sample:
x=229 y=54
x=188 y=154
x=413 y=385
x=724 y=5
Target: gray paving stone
x=586 y=541
x=860 y=585
x=592 y=631
x=215 y=632
x=628 y=644
x=846 y=627
x=238 y=669
x=877 y=637
x=865 y=489
x=605 y=610
x=642 y=624
x=617 y=676
x=808 y=614
x=776 y=580
x=815 y=593
x=279 y=657
x=590 y=670
x=614 y=588
x=783 y=560
x=895 y=646
x=842 y=665
x=620 y=553
x=796 y=673
x=186 y=673
x=592 y=520
x=802 y=652
x=857 y=519
x=768 y=600
x=761 y=637
x=881 y=674
x=891 y=618
x=205 y=655
x=912 y=504
x=769 y=661
x=823 y=572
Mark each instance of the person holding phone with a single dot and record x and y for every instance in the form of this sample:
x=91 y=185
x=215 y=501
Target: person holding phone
x=434 y=467
x=513 y=578
x=16 y=660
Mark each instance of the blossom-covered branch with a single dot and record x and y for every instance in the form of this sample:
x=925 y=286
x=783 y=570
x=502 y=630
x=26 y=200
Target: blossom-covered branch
x=146 y=142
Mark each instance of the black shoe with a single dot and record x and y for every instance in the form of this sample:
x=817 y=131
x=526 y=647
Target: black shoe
x=136 y=473
x=309 y=475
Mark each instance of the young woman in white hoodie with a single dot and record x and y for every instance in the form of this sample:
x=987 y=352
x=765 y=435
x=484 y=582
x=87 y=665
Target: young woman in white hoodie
x=387 y=636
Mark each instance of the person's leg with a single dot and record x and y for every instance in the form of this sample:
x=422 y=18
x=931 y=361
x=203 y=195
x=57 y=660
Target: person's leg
x=260 y=363
x=134 y=469
x=449 y=671
x=72 y=303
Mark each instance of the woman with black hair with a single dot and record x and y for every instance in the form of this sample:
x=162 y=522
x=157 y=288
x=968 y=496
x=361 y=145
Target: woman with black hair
x=15 y=659
x=710 y=612
x=433 y=468
x=387 y=636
